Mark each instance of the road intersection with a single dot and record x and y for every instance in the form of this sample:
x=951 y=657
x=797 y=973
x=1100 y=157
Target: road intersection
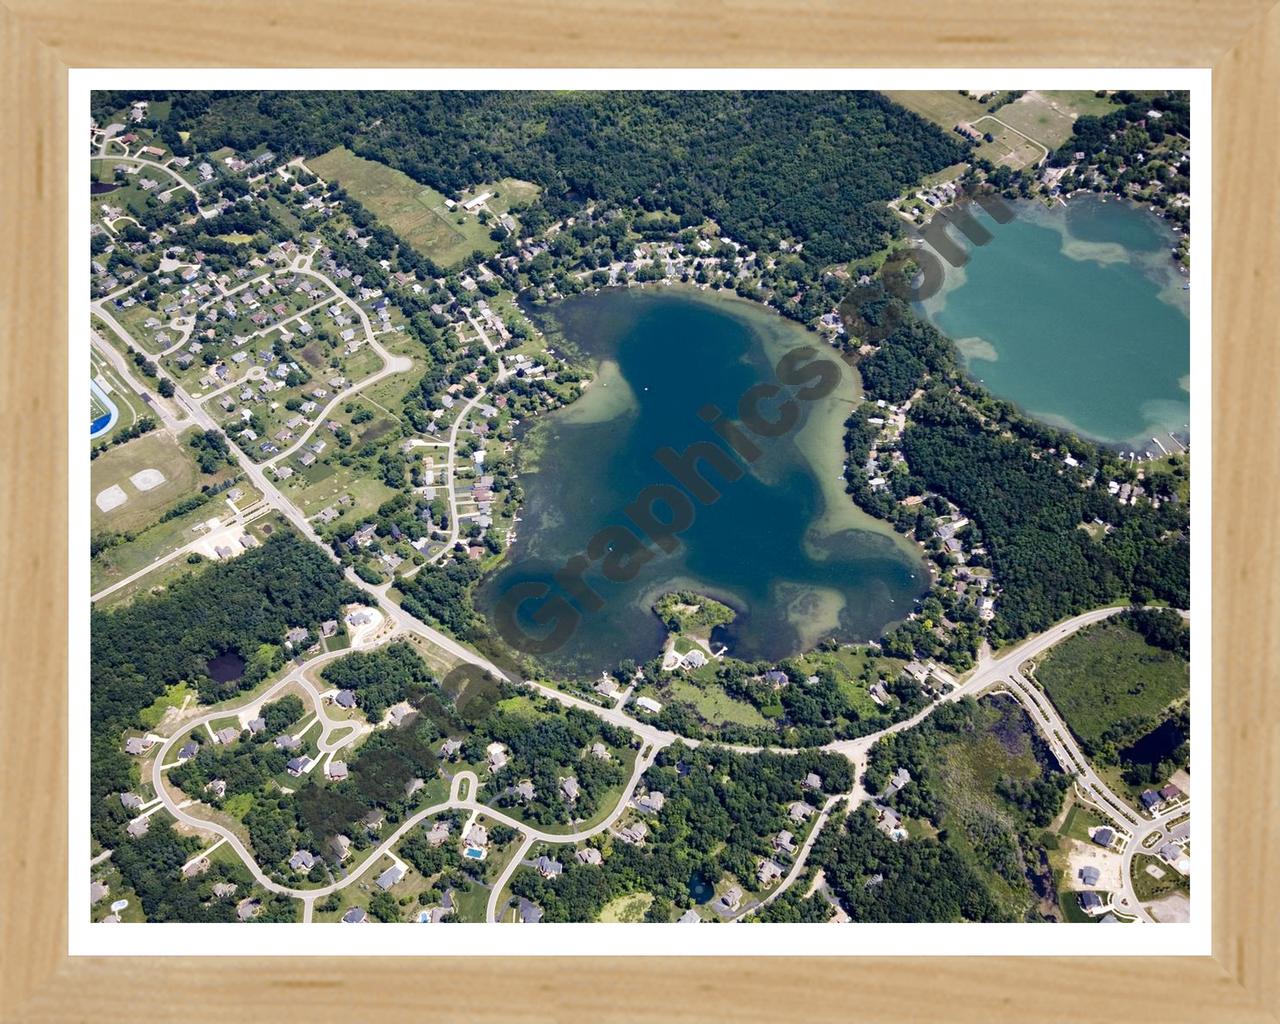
x=1002 y=672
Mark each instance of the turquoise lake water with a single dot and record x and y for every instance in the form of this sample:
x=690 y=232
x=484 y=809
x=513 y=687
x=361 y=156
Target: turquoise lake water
x=1077 y=314
x=784 y=545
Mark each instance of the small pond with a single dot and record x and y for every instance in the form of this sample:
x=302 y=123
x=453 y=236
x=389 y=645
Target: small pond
x=227 y=667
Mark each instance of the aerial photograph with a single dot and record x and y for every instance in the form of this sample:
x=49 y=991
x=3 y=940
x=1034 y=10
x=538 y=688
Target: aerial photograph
x=639 y=506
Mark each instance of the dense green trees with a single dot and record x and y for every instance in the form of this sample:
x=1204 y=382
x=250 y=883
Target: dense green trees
x=811 y=166
x=1028 y=510
x=721 y=810
x=919 y=880
x=381 y=677
x=243 y=606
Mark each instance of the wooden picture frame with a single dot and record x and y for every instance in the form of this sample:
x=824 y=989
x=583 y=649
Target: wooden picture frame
x=42 y=39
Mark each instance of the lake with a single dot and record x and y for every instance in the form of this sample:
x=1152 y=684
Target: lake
x=1078 y=315
x=784 y=545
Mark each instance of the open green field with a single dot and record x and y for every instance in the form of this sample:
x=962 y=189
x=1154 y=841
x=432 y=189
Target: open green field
x=115 y=563
x=944 y=107
x=121 y=467
x=320 y=485
x=944 y=175
x=1078 y=101
x=1045 y=120
x=629 y=909
x=714 y=704
x=1008 y=148
x=410 y=209
x=1108 y=673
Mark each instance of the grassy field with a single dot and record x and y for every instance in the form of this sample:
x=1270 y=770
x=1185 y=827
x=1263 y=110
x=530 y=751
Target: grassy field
x=1108 y=673
x=1147 y=887
x=628 y=909
x=410 y=209
x=153 y=543
x=1078 y=101
x=158 y=451
x=320 y=485
x=1044 y=121
x=714 y=704
x=1008 y=147
x=944 y=107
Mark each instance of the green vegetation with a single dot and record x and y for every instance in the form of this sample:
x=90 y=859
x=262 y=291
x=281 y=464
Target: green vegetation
x=685 y=611
x=141 y=650
x=981 y=777
x=381 y=678
x=153 y=451
x=413 y=211
x=1123 y=698
x=721 y=811
x=760 y=163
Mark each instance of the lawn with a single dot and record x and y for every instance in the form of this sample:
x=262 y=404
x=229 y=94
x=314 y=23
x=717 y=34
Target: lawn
x=155 y=451
x=1147 y=888
x=410 y=209
x=1106 y=674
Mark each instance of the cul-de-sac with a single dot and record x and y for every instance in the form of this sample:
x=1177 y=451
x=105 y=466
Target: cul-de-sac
x=644 y=506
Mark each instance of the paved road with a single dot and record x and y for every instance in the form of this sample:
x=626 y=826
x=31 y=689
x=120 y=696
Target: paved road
x=158 y=406
x=455 y=802
x=990 y=671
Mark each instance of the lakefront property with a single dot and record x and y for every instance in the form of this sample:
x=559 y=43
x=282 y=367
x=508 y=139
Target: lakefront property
x=534 y=507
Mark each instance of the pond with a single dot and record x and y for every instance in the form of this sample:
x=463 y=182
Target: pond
x=700 y=890
x=1155 y=746
x=1079 y=315
x=782 y=543
x=101 y=188
x=227 y=667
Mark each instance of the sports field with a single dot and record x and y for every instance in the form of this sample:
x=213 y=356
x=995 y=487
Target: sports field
x=131 y=484
x=412 y=210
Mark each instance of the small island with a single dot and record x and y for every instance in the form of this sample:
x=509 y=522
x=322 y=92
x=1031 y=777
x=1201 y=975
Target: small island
x=689 y=619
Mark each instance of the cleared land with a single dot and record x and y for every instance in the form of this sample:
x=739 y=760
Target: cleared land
x=1106 y=674
x=412 y=210
x=154 y=472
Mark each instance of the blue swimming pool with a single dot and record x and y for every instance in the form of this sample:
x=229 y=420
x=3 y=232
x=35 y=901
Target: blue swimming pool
x=473 y=853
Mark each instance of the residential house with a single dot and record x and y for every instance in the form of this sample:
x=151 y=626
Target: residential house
x=390 y=877
x=549 y=868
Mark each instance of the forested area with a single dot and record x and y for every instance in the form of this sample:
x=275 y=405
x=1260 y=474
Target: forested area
x=1028 y=509
x=243 y=607
x=721 y=810
x=816 y=167
x=381 y=677
x=545 y=749
x=985 y=862
x=921 y=880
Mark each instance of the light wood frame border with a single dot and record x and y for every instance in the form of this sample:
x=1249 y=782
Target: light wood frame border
x=41 y=39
